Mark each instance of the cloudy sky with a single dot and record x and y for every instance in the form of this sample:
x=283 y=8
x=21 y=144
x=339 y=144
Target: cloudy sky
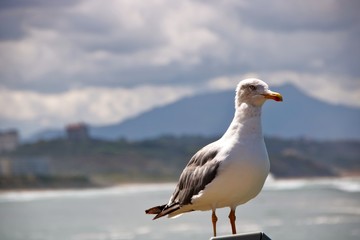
x=104 y=61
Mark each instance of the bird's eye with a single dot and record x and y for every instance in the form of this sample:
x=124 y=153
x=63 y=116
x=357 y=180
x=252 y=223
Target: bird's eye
x=252 y=87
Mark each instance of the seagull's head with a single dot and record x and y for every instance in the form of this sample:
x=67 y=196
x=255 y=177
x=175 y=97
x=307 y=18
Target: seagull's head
x=255 y=92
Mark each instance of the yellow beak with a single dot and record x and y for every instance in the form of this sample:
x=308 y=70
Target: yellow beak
x=273 y=95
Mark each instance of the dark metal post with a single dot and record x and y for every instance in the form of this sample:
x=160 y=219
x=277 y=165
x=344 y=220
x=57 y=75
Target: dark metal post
x=247 y=236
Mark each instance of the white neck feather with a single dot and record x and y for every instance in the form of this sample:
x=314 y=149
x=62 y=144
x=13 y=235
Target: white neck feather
x=246 y=122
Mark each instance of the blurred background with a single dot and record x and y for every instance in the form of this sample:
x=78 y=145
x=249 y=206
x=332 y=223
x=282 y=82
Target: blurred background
x=103 y=104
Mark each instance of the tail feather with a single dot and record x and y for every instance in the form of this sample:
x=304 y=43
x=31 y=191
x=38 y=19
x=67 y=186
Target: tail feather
x=162 y=210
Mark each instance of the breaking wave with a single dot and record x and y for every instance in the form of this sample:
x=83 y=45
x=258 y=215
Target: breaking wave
x=31 y=195
x=342 y=184
x=351 y=185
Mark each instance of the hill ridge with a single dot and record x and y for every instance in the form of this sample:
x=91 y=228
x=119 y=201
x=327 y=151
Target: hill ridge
x=209 y=114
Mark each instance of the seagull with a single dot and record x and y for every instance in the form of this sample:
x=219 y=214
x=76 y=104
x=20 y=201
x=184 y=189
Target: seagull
x=230 y=171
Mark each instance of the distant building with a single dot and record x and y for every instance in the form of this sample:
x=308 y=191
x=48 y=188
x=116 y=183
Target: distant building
x=77 y=131
x=9 y=140
x=5 y=167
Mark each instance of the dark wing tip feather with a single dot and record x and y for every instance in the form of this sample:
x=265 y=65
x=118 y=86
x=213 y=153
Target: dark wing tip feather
x=167 y=210
x=162 y=210
x=155 y=210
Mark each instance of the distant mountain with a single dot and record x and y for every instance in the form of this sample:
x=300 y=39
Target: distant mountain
x=210 y=114
x=206 y=115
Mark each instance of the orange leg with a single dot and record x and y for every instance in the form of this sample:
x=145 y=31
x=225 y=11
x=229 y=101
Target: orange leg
x=214 y=220
x=232 y=218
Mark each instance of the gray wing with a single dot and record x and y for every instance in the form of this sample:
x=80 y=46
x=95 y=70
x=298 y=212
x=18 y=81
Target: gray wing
x=200 y=171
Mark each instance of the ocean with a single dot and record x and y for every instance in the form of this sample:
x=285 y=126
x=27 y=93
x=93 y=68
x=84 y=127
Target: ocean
x=285 y=210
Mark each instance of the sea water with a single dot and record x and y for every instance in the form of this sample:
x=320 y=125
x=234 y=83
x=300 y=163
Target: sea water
x=284 y=210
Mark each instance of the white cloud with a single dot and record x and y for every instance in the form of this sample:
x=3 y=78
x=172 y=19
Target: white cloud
x=88 y=43
x=85 y=53
x=97 y=106
x=93 y=43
